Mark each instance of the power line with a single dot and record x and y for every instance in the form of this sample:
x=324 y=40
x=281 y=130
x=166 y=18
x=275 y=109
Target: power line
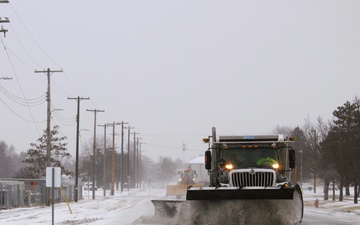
x=30 y=121
x=17 y=15
x=22 y=101
x=22 y=91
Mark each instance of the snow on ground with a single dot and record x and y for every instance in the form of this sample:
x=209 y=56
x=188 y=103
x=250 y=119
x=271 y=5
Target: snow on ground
x=336 y=207
x=122 y=208
x=126 y=207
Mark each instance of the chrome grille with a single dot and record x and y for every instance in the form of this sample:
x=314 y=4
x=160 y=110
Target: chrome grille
x=252 y=178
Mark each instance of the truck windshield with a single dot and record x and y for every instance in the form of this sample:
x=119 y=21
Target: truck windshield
x=245 y=158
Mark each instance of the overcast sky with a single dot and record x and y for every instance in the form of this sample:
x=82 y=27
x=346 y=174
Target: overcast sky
x=174 y=69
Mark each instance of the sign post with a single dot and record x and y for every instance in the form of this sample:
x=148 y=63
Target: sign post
x=53 y=179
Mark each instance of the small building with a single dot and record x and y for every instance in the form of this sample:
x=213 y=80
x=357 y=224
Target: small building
x=198 y=164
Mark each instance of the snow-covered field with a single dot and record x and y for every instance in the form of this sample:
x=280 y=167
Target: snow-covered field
x=126 y=207
x=122 y=208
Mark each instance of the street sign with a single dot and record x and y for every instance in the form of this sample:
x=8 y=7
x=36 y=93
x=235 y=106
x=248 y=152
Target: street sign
x=49 y=176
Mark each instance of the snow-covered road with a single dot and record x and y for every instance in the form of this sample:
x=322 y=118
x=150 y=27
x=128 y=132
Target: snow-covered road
x=126 y=208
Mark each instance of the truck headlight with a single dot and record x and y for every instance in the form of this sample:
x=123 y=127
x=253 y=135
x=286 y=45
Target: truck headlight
x=275 y=166
x=229 y=166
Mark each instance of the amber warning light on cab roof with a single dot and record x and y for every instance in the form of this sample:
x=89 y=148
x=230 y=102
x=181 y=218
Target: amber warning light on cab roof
x=206 y=140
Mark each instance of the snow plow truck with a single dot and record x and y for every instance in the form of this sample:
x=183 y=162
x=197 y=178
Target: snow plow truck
x=249 y=184
x=185 y=179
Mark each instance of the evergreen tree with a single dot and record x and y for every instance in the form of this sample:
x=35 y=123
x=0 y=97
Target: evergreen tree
x=36 y=156
x=342 y=145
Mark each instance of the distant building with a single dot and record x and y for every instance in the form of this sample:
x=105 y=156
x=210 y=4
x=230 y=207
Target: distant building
x=198 y=164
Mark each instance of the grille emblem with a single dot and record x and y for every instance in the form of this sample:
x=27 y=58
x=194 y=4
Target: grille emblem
x=252 y=172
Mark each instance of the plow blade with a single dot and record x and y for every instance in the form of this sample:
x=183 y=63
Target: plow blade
x=282 y=206
x=179 y=190
x=269 y=206
x=227 y=193
x=167 y=208
x=173 y=212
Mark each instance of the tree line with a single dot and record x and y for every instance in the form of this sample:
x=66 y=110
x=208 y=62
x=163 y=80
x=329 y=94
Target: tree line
x=326 y=150
x=330 y=150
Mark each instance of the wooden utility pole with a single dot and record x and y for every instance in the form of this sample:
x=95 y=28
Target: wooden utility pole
x=140 y=167
x=104 y=174
x=135 y=158
x=113 y=159
x=48 y=73
x=137 y=161
x=122 y=155
x=94 y=151
x=4 y=20
x=78 y=99
x=315 y=161
x=128 y=158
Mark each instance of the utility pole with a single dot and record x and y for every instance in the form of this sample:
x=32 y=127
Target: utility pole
x=140 y=165
x=4 y=20
x=128 y=158
x=134 y=179
x=104 y=175
x=48 y=72
x=94 y=150
x=122 y=155
x=113 y=159
x=78 y=99
x=137 y=162
x=135 y=158
x=315 y=161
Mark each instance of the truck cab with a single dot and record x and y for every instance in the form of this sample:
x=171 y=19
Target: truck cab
x=250 y=161
x=186 y=176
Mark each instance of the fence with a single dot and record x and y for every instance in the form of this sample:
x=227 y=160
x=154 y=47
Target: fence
x=32 y=192
x=11 y=194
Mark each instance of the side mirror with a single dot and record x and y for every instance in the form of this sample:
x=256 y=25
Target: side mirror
x=208 y=160
x=292 y=158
